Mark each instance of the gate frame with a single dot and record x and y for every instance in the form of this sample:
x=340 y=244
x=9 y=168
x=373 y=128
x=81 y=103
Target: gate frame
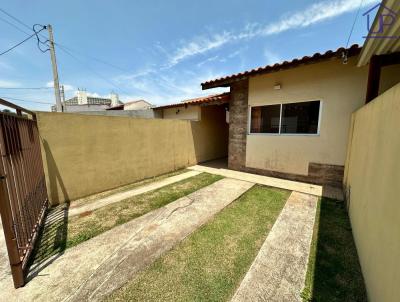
x=18 y=265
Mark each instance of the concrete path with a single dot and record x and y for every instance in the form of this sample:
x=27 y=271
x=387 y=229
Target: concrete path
x=77 y=208
x=95 y=268
x=279 y=270
x=5 y=271
x=302 y=187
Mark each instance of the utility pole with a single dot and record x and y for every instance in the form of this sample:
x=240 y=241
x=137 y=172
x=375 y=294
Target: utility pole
x=62 y=98
x=55 y=72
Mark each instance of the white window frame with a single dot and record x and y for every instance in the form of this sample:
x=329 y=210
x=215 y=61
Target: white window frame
x=280 y=119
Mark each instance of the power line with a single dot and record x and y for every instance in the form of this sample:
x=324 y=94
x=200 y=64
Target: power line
x=15 y=18
x=26 y=88
x=13 y=25
x=92 y=57
x=354 y=23
x=21 y=100
x=23 y=41
x=88 y=67
x=67 y=50
x=23 y=24
x=61 y=45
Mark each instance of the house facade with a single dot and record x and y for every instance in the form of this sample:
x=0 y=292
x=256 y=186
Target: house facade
x=191 y=109
x=291 y=120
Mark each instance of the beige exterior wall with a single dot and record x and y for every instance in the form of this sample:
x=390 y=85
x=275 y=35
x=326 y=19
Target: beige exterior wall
x=341 y=88
x=139 y=105
x=84 y=155
x=372 y=179
x=192 y=113
x=211 y=134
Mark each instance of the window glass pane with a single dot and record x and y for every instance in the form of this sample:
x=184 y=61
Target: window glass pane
x=300 y=117
x=265 y=119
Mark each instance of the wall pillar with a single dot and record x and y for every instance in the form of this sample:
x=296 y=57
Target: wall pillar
x=238 y=107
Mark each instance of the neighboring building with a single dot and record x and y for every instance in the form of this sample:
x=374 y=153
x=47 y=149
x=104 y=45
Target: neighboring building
x=83 y=102
x=133 y=105
x=191 y=109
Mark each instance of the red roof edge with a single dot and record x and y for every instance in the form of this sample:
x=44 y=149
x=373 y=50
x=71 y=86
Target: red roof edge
x=317 y=57
x=220 y=98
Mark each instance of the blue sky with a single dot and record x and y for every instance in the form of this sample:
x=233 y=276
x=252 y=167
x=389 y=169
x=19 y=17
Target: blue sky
x=162 y=50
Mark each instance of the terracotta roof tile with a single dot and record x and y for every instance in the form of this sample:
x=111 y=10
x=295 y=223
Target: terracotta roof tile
x=223 y=98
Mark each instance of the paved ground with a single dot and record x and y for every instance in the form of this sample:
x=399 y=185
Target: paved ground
x=96 y=267
x=5 y=272
x=219 y=169
x=77 y=207
x=279 y=270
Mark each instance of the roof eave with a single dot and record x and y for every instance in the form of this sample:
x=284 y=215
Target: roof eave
x=222 y=83
x=354 y=50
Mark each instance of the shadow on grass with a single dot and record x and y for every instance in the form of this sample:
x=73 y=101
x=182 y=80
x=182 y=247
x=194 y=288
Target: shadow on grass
x=334 y=272
x=51 y=242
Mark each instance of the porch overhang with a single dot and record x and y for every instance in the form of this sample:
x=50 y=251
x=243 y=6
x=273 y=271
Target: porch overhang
x=389 y=41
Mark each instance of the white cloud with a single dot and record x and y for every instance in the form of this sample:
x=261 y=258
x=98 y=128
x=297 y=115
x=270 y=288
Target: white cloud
x=6 y=83
x=67 y=87
x=311 y=15
x=211 y=59
x=271 y=57
x=6 y=66
x=171 y=88
x=199 y=45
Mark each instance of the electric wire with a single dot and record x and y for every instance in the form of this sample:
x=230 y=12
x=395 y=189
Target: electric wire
x=91 y=57
x=22 y=100
x=13 y=25
x=25 y=88
x=89 y=68
x=16 y=45
x=65 y=49
x=35 y=33
x=354 y=23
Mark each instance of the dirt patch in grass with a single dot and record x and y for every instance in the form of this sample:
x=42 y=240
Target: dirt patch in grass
x=61 y=232
x=334 y=272
x=210 y=264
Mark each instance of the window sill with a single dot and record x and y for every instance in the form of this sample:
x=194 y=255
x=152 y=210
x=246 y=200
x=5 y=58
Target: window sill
x=283 y=134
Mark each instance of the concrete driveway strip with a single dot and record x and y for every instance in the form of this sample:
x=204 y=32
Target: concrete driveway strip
x=95 y=268
x=77 y=208
x=278 y=273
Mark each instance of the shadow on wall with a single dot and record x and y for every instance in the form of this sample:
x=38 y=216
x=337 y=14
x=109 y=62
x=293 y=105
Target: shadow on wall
x=211 y=134
x=54 y=178
x=334 y=272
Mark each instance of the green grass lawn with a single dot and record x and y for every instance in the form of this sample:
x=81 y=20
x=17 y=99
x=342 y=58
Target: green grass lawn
x=210 y=264
x=334 y=272
x=62 y=233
